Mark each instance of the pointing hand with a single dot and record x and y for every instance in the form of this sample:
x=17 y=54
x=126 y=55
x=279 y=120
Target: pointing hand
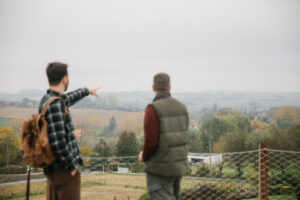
x=93 y=91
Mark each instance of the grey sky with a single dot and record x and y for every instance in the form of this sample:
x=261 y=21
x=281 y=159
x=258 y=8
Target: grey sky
x=204 y=45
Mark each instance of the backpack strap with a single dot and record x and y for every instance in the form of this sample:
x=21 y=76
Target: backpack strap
x=50 y=101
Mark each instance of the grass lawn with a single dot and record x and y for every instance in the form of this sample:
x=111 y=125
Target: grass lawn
x=93 y=187
x=104 y=186
x=279 y=197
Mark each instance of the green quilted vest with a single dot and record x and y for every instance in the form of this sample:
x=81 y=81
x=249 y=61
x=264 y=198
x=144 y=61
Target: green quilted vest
x=170 y=157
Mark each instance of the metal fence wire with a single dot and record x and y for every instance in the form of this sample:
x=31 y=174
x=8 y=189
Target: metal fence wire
x=247 y=175
x=261 y=174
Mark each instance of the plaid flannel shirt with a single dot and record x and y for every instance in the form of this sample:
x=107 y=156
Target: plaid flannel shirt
x=61 y=130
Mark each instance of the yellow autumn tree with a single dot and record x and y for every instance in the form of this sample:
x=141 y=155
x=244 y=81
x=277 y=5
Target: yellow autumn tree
x=9 y=145
x=286 y=113
x=260 y=126
x=17 y=126
x=286 y=116
x=85 y=151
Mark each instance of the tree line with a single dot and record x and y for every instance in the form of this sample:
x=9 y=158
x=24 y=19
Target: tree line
x=231 y=131
x=220 y=131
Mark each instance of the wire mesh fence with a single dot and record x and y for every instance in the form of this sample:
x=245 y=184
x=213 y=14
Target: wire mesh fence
x=251 y=175
x=227 y=176
x=247 y=175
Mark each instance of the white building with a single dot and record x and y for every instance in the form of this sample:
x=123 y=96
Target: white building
x=204 y=158
x=123 y=170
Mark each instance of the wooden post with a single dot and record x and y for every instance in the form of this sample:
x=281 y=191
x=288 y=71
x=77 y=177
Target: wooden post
x=263 y=193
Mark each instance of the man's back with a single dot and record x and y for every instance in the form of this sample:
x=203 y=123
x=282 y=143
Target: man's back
x=60 y=131
x=63 y=176
x=165 y=146
x=170 y=158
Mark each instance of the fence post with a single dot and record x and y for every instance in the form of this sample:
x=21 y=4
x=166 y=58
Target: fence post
x=263 y=193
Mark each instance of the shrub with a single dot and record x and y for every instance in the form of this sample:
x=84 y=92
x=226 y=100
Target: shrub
x=216 y=192
x=214 y=172
x=144 y=196
x=282 y=190
x=287 y=177
x=137 y=167
x=203 y=171
x=188 y=172
x=14 y=170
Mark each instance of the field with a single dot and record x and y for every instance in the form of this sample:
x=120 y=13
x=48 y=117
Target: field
x=95 y=117
x=103 y=186
x=4 y=122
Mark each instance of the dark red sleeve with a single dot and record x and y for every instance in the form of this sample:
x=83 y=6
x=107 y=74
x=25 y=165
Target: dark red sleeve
x=151 y=132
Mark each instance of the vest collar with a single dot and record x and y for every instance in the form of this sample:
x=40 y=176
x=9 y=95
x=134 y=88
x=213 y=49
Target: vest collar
x=161 y=95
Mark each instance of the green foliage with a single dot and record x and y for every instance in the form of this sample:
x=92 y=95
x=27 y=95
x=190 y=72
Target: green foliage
x=240 y=122
x=22 y=195
x=17 y=126
x=203 y=171
x=294 y=136
x=254 y=139
x=112 y=144
x=278 y=197
x=230 y=131
x=285 y=139
x=215 y=192
x=112 y=124
x=137 y=167
x=85 y=151
x=286 y=116
x=231 y=142
x=4 y=122
x=102 y=149
x=189 y=171
x=127 y=145
x=284 y=123
x=194 y=142
x=97 y=165
x=144 y=196
x=211 y=131
x=288 y=177
x=222 y=124
x=13 y=170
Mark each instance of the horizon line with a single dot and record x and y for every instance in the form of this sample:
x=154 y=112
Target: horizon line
x=129 y=91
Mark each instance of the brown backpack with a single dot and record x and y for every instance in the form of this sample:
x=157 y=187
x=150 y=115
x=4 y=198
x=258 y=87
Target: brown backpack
x=35 y=145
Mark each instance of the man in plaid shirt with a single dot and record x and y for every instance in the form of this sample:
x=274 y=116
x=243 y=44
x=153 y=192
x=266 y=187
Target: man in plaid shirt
x=63 y=176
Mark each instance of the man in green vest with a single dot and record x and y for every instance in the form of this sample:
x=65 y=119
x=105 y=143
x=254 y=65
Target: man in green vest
x=165 y=146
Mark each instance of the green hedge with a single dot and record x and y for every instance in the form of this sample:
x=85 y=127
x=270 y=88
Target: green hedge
x=14 y=170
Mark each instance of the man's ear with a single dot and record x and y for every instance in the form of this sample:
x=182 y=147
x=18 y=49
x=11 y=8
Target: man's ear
x=153 y=88
x=169 y=88
x=65 y=79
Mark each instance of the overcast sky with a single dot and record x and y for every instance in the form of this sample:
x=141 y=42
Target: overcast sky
x=120 y=44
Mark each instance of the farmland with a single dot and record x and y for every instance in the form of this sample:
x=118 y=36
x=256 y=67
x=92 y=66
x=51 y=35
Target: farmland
x=94 y=117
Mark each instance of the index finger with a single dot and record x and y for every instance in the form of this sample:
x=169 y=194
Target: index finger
x=98 y=88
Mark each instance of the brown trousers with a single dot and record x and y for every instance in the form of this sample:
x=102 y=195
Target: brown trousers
x=61 y=185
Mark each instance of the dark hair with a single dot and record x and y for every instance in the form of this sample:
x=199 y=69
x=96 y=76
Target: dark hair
x=56 y=71
x=161 y=82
